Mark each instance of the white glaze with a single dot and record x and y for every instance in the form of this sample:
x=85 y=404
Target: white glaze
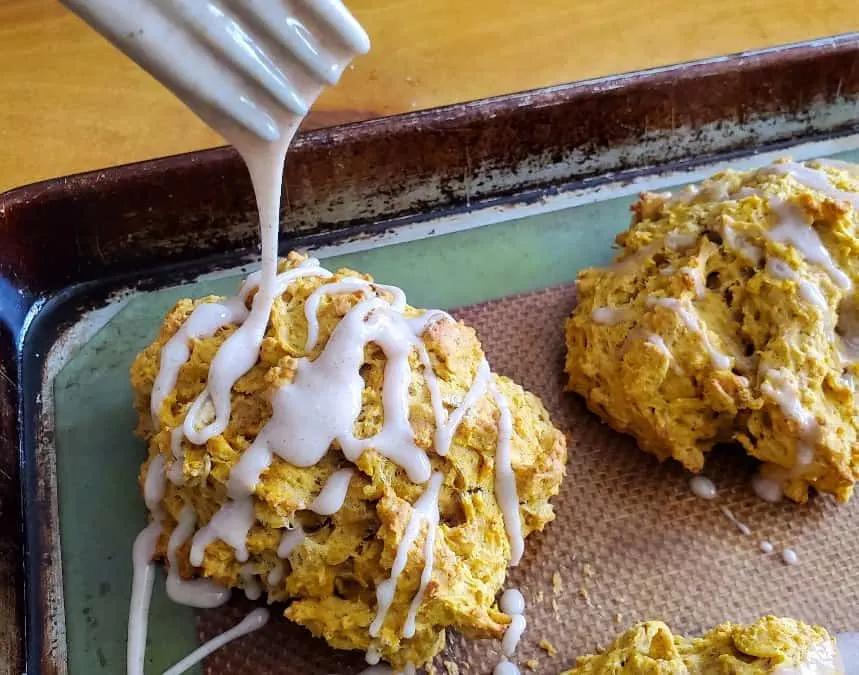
x=424 y=510
x=141 y=594
x=766 y=546
x=231 y=524
x=447 y=430
x=206 y=319
x=779 y=387
x=793 y=229
x=512 y=602
x=239 y=353
x=154 y=486
x=821 y=658
x=689 y=317
x=740 y=244
x=373 y=654
x=703 y=487
x=275 y=575
x=814 y=179
x=311 y=305
x=513 y=634
x=250 y=584
x=329 y=390
x=333 y=494
x=848 y=650
x=768 y=489
x=609 y=316
x=505 y=668
x=290 y=540
x=780 y=269
x=741 y=526
x=253 y=621
x=505 y=480
x=789 y=557
x=202 y=593
x=813 y=295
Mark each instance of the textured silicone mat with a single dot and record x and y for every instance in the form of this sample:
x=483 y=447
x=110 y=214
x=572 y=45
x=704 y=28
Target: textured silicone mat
x=630 y=542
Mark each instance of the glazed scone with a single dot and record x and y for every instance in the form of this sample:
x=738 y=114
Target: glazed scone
x=770 y=645
x=332 y=571
x=730 y=314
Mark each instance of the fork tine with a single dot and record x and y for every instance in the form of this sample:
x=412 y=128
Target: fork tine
x=214 y=25
x=189 y=76
x=280 y=24
x=334 y=13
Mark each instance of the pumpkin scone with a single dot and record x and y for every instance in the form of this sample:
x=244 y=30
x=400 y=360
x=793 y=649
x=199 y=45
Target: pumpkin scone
x=730 y=314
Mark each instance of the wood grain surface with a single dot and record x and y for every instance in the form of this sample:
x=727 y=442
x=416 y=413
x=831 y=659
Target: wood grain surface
x=69 y=102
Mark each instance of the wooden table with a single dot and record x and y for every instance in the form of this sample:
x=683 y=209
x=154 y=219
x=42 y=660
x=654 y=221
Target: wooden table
x=69 y=103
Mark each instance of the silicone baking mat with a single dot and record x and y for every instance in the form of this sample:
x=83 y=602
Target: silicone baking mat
x=630 y=541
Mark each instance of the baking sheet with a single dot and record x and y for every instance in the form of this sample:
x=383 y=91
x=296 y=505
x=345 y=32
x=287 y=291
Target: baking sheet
x=653 y=550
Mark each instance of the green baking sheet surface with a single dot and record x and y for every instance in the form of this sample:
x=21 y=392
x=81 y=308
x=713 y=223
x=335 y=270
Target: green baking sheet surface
x=98 y=457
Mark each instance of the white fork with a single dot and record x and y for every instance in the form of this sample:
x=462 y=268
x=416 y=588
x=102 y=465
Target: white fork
x=247 y=60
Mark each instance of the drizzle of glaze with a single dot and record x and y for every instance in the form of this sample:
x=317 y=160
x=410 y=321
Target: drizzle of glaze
x=231 y=524
x=290 y=540
x=202 y=593
x=741 y=526
x=766 y=546
x=141 y=594
x=424 y=510
x=238 y=354
x=513 y=634
x=609 y=316
x=740 y=244
x=505 y=479
x=779 y=388
x=203 y=322
x=792 y=229
x=373 y=655
x=512 y=602
x=815 y=180
x=848 y=650
x=768 y=489
x=333 y=494
x=689 y=317
x=703 y=487
x=789 y=557
x=252 y=587
x=505 y=668
x=253 y=621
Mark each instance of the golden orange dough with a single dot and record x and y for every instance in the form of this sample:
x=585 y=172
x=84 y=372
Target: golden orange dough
x=762 y=348
x=331 y=578
x=770 y=645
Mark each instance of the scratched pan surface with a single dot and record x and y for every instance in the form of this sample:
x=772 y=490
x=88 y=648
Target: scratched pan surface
x=458 y=206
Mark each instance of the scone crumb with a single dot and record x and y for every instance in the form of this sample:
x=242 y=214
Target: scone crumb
x=557 y=584
x=547 y=647
x=587 y=571
x=451 y=668
x=583 y=592
x=618 y=618
x=531 y=664
x=540 y=597
x=555 y=607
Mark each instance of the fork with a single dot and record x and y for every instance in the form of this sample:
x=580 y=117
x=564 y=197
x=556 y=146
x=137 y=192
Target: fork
x=250 y=61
